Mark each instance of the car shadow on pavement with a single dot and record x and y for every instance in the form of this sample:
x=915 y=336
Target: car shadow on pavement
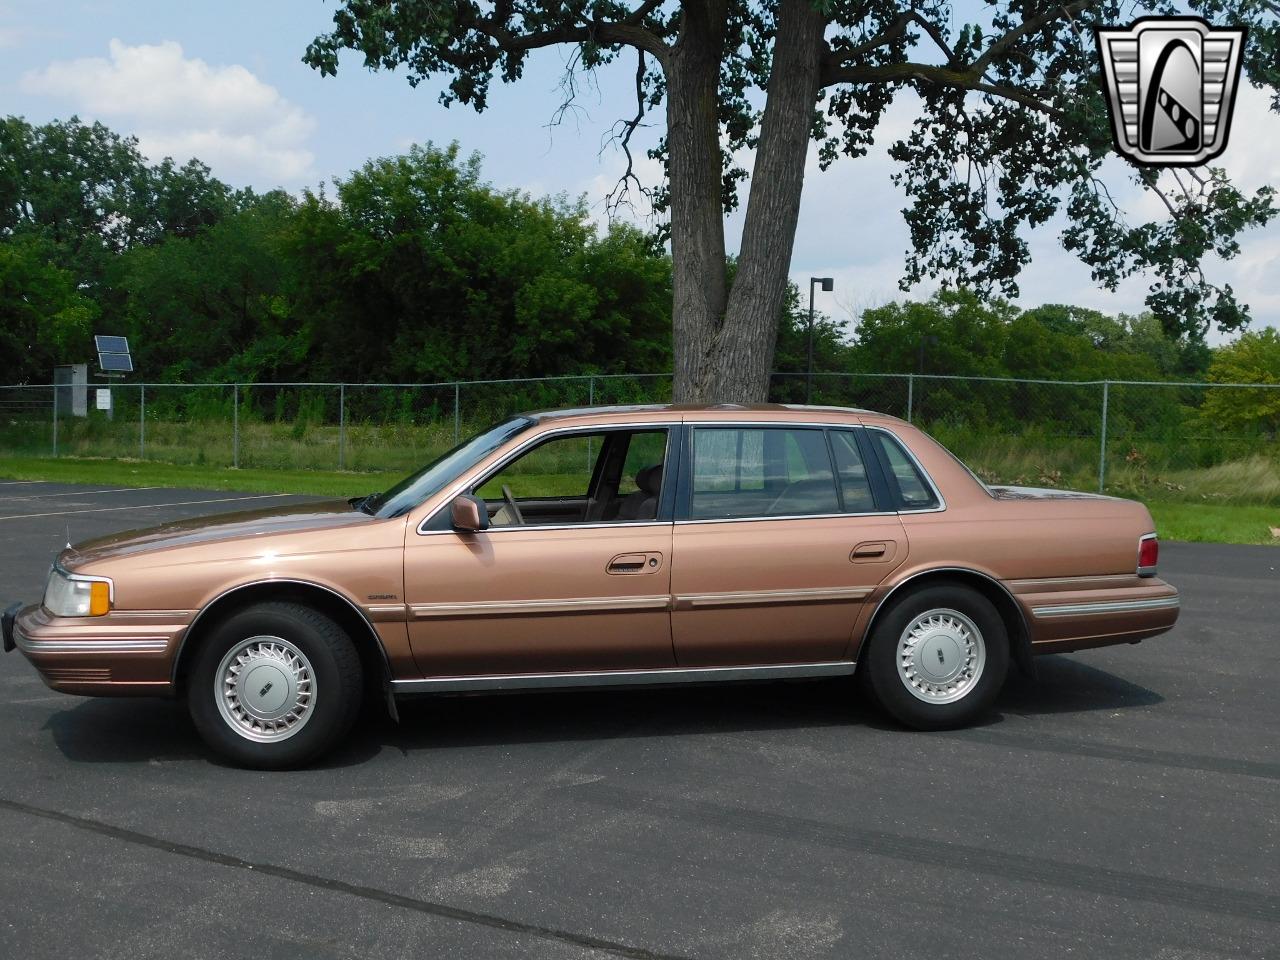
x=1063 y=684
x=125 y=730
x=135 y=731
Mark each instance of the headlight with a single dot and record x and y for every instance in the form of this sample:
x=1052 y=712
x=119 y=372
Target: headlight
x=73 y=595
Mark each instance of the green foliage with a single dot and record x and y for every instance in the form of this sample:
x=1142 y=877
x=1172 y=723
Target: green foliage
x=43 y=317
x=1254 y=358
x=211 y=306
x=446 y=278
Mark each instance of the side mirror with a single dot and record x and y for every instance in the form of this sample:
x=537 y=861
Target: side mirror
x=468 y=513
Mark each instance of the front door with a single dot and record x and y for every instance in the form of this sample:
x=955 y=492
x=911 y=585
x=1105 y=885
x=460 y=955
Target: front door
x=573 y=575
x=779 y=543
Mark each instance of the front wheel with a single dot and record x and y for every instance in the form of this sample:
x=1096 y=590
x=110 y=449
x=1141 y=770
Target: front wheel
x=937 y=657
x=275 y=685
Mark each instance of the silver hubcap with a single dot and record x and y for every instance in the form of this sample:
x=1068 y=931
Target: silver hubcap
x=941 y=655
x=265 y=689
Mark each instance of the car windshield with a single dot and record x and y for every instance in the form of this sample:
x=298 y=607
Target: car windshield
x=412 y=490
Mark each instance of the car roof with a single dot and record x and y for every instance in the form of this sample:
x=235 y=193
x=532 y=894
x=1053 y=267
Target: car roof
x=655 y=412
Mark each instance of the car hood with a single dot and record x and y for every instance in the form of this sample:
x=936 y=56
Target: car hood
x=1043 y=493
x=295 y=518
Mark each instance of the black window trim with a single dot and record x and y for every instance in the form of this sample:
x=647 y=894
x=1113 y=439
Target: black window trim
x=893 y=491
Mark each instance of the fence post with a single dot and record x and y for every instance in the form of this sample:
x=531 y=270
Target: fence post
x=55 y=419
x=911 y=393
x=342 y=426
x=235 y=425
x=591 y=402
x=1102 y=450
x=142 y=421
x=457 y=412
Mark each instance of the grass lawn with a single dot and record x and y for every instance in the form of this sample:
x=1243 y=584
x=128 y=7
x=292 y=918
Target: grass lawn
x=1203 y=522
x=145 y=473
x=1216 y=522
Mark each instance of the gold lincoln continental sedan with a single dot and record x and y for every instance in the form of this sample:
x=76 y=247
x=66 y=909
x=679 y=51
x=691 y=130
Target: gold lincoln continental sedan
x=598 y=547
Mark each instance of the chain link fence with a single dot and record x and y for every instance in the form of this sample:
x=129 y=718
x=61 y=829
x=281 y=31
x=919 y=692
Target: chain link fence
x=1106 y=435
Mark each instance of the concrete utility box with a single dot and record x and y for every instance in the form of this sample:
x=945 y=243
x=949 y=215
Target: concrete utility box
x=71 y=389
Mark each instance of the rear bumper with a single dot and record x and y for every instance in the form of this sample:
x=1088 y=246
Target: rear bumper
x=119 y=654
x=1078 y=614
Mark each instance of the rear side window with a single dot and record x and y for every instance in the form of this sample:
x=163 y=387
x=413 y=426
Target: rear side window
x=909 y=484
x=761 y=472
x=851 y=472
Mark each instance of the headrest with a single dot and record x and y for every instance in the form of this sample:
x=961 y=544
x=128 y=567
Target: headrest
x=650 y=479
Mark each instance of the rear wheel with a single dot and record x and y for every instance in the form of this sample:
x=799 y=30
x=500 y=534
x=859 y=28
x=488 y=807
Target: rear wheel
x=937 y=657
x=275 y=685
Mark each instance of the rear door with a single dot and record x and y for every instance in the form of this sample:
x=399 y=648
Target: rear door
x=779 y=539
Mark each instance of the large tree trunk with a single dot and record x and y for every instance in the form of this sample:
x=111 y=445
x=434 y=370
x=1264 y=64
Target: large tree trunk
x=697 y=214
x=741 y=354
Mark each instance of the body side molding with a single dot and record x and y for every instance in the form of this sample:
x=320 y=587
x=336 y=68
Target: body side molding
x=616 y=678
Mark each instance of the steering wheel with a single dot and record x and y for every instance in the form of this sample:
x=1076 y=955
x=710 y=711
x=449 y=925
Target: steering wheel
x=510 y=500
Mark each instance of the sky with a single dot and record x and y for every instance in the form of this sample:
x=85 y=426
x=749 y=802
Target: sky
x=225 y=82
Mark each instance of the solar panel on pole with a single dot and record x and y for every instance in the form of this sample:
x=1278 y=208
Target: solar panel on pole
x=111 y=344
x=115 y=362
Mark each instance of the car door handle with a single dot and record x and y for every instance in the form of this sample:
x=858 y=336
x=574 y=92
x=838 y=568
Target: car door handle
x=634 y=563
x=869 y=551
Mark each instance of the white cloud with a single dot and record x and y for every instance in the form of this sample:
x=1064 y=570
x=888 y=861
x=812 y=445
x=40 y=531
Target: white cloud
x=184 y=107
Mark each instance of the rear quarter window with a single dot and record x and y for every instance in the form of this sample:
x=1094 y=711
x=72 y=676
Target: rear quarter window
x=906 y=481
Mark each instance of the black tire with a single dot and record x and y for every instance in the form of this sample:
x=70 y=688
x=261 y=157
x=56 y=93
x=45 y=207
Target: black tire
x=328 y=658
x=929 y=709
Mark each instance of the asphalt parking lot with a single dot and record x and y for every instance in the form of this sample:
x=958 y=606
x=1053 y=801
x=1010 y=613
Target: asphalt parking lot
x=1124 y=804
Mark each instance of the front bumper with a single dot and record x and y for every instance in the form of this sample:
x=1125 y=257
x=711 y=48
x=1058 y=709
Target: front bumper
x=118 y=654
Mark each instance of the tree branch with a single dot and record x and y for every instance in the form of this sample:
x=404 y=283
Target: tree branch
x=943 y=76
x=628 y=32
x=618 y=195
x=1027 y=27
x=891 y=33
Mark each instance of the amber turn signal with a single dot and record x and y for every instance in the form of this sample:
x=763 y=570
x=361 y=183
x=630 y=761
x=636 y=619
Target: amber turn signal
x=99 y=598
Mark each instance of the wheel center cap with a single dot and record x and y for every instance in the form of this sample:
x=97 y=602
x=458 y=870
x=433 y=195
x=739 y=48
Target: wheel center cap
x=939 y=657
x=266 y=691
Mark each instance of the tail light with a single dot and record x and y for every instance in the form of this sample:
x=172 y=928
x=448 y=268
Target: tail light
x=1148 y=555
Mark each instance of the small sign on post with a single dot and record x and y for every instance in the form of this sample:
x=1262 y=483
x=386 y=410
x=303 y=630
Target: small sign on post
x=103 y=396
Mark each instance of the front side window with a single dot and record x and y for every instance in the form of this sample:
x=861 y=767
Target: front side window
x=910 y=486
x=739 y=473
x=602 y=477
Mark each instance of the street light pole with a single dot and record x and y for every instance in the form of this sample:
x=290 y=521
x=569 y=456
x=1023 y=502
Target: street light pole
x=828 y=285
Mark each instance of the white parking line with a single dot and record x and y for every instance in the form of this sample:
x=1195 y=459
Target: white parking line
x=75 y=493
x=15 y=483
x=145 y=506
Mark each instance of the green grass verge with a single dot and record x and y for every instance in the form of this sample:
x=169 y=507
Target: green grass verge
x=1203 y=522
x=139 y=473
x=1216 y=522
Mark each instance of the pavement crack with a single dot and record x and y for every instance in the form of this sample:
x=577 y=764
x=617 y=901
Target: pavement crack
x=431 y=908
x=1103 y=751
x=1004 y=865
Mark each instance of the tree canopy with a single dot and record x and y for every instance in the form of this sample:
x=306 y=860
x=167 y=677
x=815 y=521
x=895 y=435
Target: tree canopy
x=1011 y=128
x=414 y=269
